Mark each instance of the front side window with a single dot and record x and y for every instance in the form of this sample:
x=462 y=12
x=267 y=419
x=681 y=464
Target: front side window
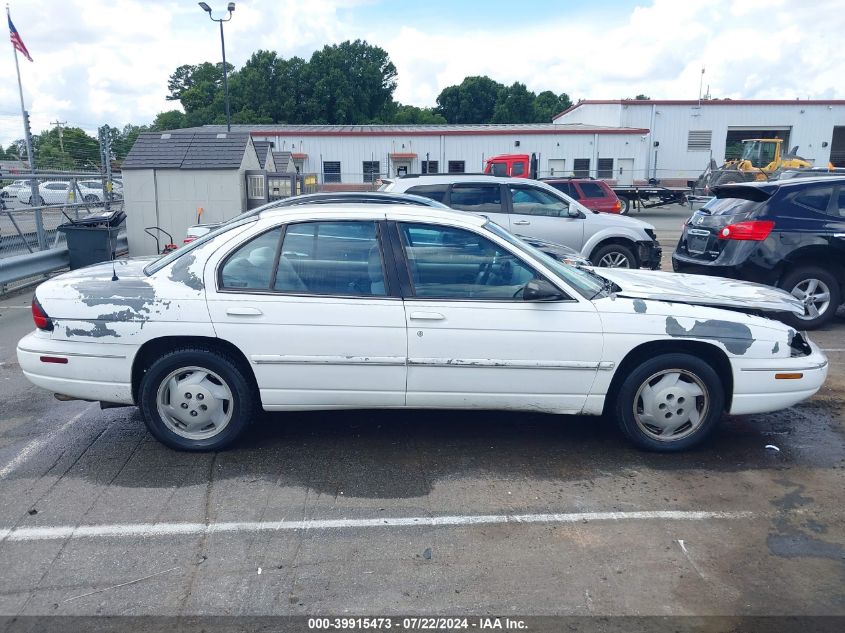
x=251 y=266
x=331 y=258
x=518 y=169
x=451 y=263
x=532 y=201
x=477 y=198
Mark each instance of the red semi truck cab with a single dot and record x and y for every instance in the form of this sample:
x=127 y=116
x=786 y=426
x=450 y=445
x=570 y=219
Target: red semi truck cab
x=514 y=165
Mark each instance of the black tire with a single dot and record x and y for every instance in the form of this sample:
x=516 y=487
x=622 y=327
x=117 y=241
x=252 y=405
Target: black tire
x=91 y=198
x=39 y=201
x=792 y=280
x=614 y=251
x=626 y=205
x=627 y=393
x=242 y=403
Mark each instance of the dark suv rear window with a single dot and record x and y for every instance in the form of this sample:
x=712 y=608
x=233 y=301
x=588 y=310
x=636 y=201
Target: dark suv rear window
x=434 y=192
x=730 y=206
x=592 y=190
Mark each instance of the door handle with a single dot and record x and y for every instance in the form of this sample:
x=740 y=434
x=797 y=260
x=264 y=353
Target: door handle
x=521 y=222
x=427 y=316
x=243 y=311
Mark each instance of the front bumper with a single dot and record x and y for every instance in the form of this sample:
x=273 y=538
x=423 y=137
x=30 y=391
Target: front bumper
x=649 y=254
x=758 y=390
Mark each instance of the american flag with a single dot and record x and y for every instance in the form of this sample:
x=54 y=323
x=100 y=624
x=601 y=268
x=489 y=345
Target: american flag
x=17 y=42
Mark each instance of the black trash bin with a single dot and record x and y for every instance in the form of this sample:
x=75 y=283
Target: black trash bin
x=93 y=239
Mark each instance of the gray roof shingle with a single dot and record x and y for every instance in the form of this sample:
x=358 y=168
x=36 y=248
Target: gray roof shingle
x=261 y=148
x=187 y=150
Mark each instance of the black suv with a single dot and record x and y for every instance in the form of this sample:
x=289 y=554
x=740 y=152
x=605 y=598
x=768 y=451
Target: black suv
x=789 y=234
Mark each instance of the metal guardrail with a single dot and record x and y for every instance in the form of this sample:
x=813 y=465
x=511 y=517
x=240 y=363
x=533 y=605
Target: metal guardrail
x=41 y=263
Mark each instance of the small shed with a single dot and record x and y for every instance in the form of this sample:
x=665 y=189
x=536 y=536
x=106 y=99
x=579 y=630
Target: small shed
x=168 y=177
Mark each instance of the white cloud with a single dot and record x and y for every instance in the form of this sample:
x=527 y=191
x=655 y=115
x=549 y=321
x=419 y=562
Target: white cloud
x=107 y=61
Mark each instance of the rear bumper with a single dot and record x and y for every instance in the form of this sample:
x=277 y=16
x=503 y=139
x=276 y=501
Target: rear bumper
x=743 y=272
x=757 y=390
x=92 y=371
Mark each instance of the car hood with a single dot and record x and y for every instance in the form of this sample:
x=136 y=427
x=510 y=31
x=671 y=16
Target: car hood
x=614 y=220
x=700 y=290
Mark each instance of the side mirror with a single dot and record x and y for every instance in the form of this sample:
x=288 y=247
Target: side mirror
x=540 y=290
x=572 y=212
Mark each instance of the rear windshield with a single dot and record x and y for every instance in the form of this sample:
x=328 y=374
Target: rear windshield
x=730 y=206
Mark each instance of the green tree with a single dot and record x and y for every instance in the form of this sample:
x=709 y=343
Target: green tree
x=471 y=101
x=170 y=120
x=514 y=105
x=548 y=104
x=412 y=115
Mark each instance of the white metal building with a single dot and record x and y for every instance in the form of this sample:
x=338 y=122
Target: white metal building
x=684 y=135
x=351 y=155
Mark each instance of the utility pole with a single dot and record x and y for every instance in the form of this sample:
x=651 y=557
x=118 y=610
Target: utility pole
x=105 y=157
x=59 y=125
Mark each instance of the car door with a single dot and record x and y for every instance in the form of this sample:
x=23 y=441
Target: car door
x=539 y=213
x=311 y=307
x=55 y=193
x=473 y=342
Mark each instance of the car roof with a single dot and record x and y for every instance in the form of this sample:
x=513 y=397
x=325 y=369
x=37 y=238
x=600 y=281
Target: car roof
x=358 y=197
x=376 y=211
x=771 y=185
x=450 y=178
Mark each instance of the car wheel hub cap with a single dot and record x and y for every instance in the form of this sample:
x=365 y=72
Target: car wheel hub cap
x=815 y=295
x=614 y=260
x=671 y=405
x=195 y=403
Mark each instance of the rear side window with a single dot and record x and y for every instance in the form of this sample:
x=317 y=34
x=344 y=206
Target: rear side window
x=434 y=192
x=476 y=198
x=566 y=187
x=816 y=198
x=592 y=190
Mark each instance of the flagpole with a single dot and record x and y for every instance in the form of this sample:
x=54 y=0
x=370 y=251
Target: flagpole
x=27 y=135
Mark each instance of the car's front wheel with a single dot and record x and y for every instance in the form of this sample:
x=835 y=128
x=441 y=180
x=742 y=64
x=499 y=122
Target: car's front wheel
x=614 y=256
x=195 y=399
x=820 y=293
x=670 y=403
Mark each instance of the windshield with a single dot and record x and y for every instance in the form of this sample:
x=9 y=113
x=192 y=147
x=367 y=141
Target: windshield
x=164 y=260
x=760 y=153
x=587 y=284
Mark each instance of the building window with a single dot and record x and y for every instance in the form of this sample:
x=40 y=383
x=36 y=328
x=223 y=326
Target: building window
x=457 y=166
x=331 y=171
x=371 y=170
x=255 y=187
x=430 y=167
x=581 y=167
x=605 y=168
x=699 y=140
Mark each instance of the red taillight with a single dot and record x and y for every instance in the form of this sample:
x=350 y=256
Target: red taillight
x=754 y=230
x=42 y=321
x=188 y=240
x=617 y=206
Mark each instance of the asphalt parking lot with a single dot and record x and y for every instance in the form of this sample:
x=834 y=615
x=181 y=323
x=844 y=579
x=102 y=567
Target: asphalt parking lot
x=419 y=512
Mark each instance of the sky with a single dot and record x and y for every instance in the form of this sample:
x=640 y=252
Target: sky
x=107 y=61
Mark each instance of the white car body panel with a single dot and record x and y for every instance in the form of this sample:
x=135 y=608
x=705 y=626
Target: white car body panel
x=313 y=352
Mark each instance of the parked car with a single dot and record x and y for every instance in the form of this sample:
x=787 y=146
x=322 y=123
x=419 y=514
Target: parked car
x=785 y=233
x=58 y=192
x=538 y=210
x=558 y=251
x=399 y=306
x=593 y=194
x=11 y=190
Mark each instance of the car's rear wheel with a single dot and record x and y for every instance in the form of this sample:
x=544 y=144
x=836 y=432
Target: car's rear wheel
x=614 y=256
x=818 y=290
x=195 y=400
x=670 y=403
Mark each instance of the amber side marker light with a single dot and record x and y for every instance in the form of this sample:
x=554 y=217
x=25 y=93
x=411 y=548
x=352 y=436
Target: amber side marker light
x=54 y=359
x=795 y=376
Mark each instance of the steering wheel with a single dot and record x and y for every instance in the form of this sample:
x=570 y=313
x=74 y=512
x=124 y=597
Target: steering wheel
x=486 y=269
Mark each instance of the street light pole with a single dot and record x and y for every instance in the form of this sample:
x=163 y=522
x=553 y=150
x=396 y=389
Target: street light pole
x=230 y=8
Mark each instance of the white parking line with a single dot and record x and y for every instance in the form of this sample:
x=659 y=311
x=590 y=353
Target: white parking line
x=191 y=529
x=833 y=350
x=36 y=444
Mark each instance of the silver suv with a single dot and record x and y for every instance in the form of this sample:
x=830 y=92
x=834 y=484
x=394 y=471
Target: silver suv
x=534 y=209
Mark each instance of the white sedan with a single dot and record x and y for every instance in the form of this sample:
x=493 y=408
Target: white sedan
x=383 y=306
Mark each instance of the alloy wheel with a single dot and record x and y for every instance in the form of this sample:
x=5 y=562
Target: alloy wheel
x=815 y=295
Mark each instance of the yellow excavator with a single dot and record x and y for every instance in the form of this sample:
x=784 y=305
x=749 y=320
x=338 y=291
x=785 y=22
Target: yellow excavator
x=761 y=159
